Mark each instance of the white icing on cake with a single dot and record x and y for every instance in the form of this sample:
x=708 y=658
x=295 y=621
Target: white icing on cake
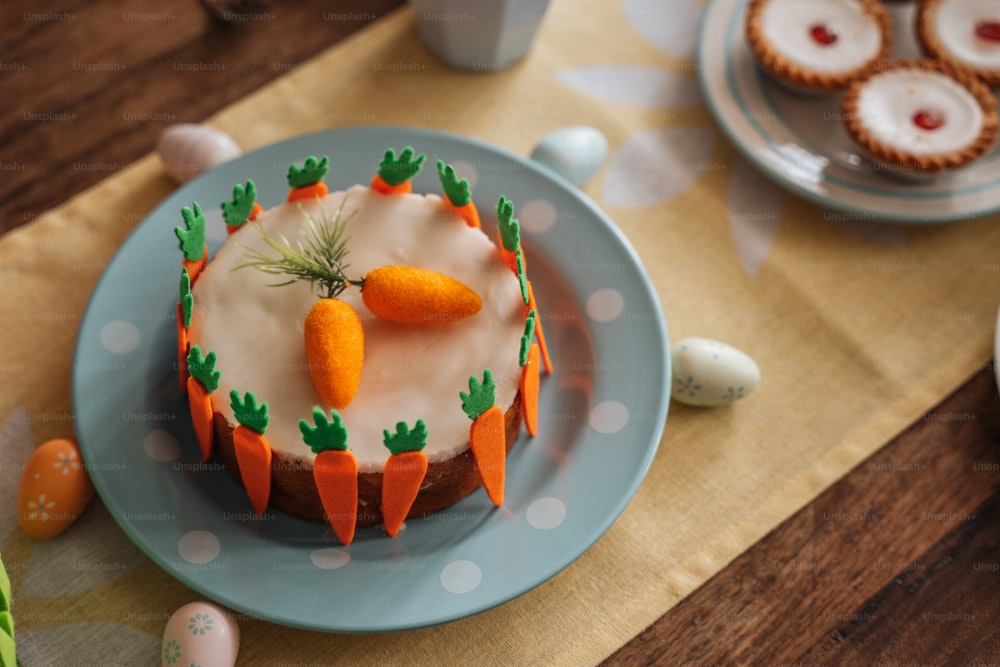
x=888 y=102
x=955 y=24
x=787 y=25
x=410 y=372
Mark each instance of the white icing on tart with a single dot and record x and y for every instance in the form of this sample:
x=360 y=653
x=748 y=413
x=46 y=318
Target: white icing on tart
x=410 y=372
x=890 y=102
x=788 y=27
x=955 y=23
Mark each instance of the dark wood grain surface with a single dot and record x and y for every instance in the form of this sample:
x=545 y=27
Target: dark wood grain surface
x=896 y=564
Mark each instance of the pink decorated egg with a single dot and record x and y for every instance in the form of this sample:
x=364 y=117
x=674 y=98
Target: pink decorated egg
x=54 y=490
x=201 y=633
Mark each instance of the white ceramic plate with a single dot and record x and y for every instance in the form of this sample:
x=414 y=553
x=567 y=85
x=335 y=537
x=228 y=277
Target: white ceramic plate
x=799 y=141
x=602 y=412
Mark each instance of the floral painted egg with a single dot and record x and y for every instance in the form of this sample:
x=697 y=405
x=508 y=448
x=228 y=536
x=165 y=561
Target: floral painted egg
x=54 y=489
x=201 y=633
x=576 y=153
x=189 y=149
x=709 y=373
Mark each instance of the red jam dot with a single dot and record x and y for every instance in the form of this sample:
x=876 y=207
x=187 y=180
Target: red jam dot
x=928 y=119
x=988 y=30
x=822 y=35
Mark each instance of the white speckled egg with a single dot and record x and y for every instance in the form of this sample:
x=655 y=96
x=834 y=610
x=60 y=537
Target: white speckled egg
x=201 y=633
x=708 y=373
x=188 y=150
x=576 y=153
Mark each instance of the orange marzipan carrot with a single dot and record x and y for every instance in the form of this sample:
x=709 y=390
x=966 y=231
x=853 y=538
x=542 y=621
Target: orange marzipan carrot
x=489 y=448
x=469 y=213
x=253 y=454
x=381 y=186
x=401 y=480
x=182 y=350
x=412 y=295
x=202 y=416
x=317 y=190
x=539 y=333
x=529 y=390
x=335 y=472
x=335 y=350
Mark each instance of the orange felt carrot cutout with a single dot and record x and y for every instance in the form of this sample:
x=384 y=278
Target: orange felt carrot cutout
x=529 y=374
x=335 y=471
x=543 y=347
x=403 y=474
x=417 y=296
x=314 y=191
x=244 y=207
x=306 y=182
x=335 y=350
x=394 y=174
x=192 y=240
x=487 y=435
x=457 y=195
x=509 y=231
x=185 y=306
x=253 y=451
x=203 y=381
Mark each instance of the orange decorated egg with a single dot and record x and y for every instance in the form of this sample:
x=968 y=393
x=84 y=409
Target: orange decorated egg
x=54 y=490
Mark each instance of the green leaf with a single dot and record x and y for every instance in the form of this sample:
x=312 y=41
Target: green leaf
x=311 y=172
x=248 y=412
x=522 y=277
x=405 y=439
x=202 y=369
x=186 y=298
x=481 y=396
x=527 y=337
x=237 y=212
x=327 y=434
x=395 y=170
x=192 y=235
x=4 y=589
x=457 y=191
x=509 y=226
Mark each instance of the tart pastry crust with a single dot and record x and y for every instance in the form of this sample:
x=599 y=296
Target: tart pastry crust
x=798 y=76
x=908 y=161
x=934 y=47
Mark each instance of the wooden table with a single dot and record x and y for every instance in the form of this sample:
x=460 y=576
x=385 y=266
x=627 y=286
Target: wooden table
x=897 y=563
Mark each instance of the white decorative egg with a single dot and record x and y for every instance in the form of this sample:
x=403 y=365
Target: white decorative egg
x=201 y=633
x=576 y=153
x=188 y=150
x=708 y=373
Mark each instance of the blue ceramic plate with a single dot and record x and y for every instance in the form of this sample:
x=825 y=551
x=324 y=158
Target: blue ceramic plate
x=601 y=413
x=799 y=140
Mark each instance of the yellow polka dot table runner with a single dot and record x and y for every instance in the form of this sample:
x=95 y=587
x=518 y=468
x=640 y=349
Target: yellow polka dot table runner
x=858 y=329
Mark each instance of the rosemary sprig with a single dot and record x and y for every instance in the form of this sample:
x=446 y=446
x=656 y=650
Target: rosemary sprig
x=318 y=259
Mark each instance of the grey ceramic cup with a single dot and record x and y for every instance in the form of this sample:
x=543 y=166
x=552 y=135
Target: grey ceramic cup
x=479 y=35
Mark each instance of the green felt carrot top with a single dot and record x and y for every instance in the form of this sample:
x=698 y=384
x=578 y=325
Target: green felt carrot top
x=395 y=171
x=202 y=368
x=311 y=172
x=186 y=298
x=522 y=276
x=406 y=439
x=326 y=434
x=249 y=412
x=527 y=337
x=237 y=212
x=481 y=396
x=456 y=189
x=192 y=235
x=509 y=226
